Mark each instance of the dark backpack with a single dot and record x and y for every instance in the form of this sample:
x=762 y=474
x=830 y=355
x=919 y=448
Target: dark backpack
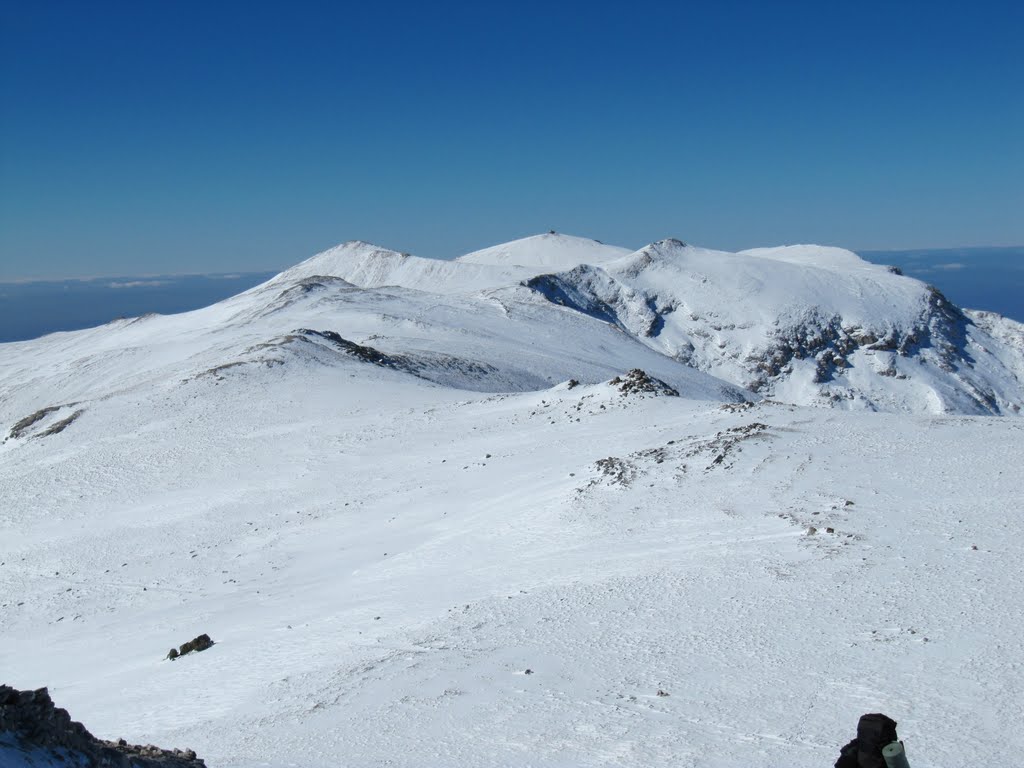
x=873 y=732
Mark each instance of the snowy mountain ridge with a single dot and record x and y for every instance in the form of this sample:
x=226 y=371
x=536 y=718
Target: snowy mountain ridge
x=800 y=324
x=370 y=266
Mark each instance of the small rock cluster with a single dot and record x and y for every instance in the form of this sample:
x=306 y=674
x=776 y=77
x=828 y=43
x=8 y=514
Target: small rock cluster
x=196 y=644
x=639 y=381
x=38 y=725
x=617 y=471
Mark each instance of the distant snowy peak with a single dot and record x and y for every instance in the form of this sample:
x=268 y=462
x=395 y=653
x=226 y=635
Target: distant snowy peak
x=552 y=251
x=344 y=260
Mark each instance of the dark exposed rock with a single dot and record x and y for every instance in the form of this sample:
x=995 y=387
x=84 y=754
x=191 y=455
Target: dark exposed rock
x=824 y=340
x=561 y=289
x=437 y=367
x=617 y=471
x=941 y=327
x=196 y=644
x=36 y=729
x=430 y=367
x=724 y=445
x=316 y=283
x=61 y=425
x=719 y=450
x=22 y=426
x=359 y=351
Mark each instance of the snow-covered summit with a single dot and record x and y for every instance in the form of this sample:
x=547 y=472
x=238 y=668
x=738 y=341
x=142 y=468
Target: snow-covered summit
x=552 y=251
x=773 y=283
x=371 y=266
x=339 y=259
x=811 y=255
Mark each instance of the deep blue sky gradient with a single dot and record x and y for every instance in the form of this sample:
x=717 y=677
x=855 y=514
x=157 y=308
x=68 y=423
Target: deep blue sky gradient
x=172 y=137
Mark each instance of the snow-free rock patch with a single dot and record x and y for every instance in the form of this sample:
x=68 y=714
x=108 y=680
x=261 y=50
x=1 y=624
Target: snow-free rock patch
x=35 y=732
x=40 y=423
x=195 y=645
x=638 y=381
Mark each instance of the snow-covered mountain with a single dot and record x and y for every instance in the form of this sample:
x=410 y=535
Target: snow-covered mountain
x=433 y=513
x=803 y=324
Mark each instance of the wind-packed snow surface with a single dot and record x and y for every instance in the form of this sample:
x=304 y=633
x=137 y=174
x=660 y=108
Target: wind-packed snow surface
x=429 y=518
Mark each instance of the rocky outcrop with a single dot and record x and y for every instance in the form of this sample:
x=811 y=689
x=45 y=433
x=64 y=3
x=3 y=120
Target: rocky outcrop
x=39 y=424
x=34 y=731
x=638 y=381
x=23 y=425
x=195 y=645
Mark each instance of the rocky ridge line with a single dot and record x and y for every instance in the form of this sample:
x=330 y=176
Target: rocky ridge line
x=33 y=724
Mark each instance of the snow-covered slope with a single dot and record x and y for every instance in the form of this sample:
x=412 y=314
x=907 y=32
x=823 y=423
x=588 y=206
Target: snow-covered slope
x=429 y=518
x=565 y=577
x=1008 y=333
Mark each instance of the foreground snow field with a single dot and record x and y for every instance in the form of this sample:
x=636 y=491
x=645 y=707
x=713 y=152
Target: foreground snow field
x=428 y=548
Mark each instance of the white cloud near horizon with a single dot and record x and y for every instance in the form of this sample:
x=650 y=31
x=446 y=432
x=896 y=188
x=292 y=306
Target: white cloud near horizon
x=139 y=284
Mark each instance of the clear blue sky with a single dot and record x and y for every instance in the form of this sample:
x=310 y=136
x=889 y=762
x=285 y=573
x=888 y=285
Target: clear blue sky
x=157 y=137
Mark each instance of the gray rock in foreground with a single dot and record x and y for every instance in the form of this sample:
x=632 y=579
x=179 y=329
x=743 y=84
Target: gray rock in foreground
x=34 y=731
